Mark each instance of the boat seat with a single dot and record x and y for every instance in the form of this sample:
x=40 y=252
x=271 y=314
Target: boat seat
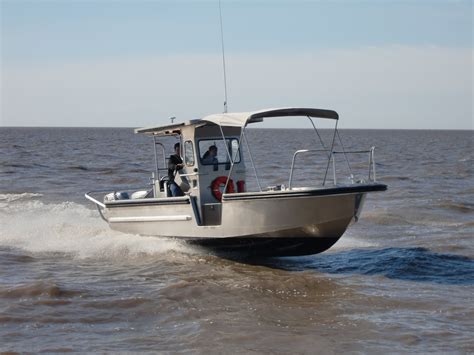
x=118 y=195
x=140 y=194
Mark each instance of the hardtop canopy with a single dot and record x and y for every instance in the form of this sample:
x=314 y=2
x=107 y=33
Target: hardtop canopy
x=241 y=119
x=244 y=118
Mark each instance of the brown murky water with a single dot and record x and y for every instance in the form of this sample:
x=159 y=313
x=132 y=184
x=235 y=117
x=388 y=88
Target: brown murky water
x=402 y=279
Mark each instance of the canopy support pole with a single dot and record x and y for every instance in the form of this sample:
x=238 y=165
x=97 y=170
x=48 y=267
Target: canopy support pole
x=331 y=154
x=251 y=159
x=345 y=156
x=317 y=133
x=230 y=158
x=226 y=147
x=233 y=161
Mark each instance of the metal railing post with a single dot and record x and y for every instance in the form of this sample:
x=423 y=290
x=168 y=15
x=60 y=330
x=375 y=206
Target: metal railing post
x=156 y=159
x=293 y=165
x=293 y=161
x=372 y=156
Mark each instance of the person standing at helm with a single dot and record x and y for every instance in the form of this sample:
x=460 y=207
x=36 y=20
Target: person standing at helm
x=175 y=163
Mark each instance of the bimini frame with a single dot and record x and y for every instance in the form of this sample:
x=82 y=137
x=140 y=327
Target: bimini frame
x=243 y=119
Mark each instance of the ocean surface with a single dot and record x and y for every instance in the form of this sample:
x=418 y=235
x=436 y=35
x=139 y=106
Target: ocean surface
x=399 y=280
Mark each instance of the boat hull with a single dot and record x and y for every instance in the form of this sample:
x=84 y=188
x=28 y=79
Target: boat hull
x=265 y=247
x=268 y=223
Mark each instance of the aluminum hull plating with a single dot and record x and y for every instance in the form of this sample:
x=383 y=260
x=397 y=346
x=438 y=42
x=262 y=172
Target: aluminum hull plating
x=292 y=222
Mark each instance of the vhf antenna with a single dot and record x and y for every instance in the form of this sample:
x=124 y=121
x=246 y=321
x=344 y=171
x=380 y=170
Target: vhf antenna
x=223 y=60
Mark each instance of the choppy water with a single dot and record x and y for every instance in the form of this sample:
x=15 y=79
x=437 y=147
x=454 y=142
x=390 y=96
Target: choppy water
x=402 y=279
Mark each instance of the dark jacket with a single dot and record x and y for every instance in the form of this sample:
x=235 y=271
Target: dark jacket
x=172 y=162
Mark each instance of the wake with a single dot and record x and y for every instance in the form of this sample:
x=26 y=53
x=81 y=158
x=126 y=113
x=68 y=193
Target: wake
x=70 y=228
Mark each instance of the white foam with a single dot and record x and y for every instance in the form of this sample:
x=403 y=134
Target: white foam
x=354 y=238
x=347 y=242
x=70 y=228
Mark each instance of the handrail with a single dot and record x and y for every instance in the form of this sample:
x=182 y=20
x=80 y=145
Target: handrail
x=353 y=151
x=90 y=198
x=100 y=204
x=294 y=158
x=331 y=156
x=334 y=177
x=157 y=168
x=372 y=160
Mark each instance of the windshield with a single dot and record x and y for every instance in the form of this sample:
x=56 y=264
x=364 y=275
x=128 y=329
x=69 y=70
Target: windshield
x=213 y=151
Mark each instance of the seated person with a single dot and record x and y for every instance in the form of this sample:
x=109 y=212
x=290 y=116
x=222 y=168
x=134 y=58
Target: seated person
x=210 y=156
x=175 y=163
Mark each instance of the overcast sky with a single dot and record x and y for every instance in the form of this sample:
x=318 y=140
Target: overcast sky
x=380 y=64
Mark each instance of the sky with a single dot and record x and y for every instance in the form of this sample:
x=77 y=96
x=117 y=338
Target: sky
x=403 y=64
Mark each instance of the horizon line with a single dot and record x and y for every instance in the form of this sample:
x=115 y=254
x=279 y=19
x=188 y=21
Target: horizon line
x=269 y=128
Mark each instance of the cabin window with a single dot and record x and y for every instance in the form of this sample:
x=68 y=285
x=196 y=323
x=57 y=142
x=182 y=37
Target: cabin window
x=213 y=151
x=188 y=153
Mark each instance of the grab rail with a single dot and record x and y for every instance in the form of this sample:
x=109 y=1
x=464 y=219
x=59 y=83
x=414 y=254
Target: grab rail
x=372 y=160
x=294 y=158
x=90 y=198
x=157 y=168
x=371 y=173
x=102 y=205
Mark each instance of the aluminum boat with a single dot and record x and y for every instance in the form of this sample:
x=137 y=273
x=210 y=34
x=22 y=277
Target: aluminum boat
x=217 y=211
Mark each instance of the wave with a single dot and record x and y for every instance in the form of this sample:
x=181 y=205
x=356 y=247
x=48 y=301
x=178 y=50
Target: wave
x=460 y=207
x=15 y=197
x=395 y=178
x=78 y=167
x=384 y=217
x=73 y=229
x=411 y=217
x=105 y=170
x=37 y=288
x=409 y=264
x=348 y=242
x=414 y=264
x=25 y=166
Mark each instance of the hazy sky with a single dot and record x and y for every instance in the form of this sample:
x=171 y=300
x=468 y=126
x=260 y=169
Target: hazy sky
x=380 y=64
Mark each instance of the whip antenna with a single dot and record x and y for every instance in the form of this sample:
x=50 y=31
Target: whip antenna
x=223 y=59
